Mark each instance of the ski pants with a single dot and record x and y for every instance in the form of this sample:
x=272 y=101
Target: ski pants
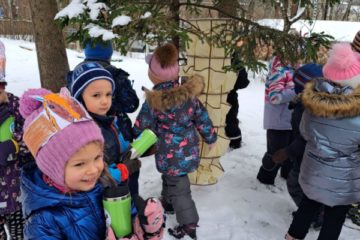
x=334 y=218
x=176 y=191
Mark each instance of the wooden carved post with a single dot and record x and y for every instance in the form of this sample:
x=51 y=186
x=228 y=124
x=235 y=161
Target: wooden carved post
x=207 y=60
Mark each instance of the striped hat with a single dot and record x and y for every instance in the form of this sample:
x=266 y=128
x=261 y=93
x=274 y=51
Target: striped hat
x=356 y=42
x=84 y=74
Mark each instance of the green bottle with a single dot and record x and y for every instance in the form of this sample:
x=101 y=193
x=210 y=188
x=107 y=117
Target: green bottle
x=117 y=205
x=142 y=143
x=7 y=129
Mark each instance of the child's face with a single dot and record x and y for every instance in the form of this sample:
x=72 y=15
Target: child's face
x=97 y=97
x=84 y=168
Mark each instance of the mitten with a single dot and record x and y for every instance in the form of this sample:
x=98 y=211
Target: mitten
x=150 y=217
x=133 y=165
x=118 y=172
x=6 y=149
x=280 y=156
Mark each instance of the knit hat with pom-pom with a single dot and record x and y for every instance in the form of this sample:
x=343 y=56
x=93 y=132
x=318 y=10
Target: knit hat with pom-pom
x=343 y=65
x=163 y=64
x=56 y=127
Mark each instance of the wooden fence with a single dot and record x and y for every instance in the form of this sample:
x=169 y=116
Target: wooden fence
x=16 y=27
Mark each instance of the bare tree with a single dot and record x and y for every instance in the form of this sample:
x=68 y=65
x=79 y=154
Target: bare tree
x=326 y=9
x=347 y=11
x=50 y=44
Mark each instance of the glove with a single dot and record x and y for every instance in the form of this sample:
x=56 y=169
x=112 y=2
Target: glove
x=280 y=156
x=118 y=172
x=6 y=149
x=150 y=151
x=133 y=165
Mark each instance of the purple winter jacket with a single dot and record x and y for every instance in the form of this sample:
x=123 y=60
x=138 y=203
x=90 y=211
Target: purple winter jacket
x=10 y=174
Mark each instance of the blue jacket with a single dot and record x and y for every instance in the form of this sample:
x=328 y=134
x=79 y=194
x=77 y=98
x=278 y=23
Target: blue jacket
x=330 y=169
x=115 y=142
x=176 y=116
x=51 y=215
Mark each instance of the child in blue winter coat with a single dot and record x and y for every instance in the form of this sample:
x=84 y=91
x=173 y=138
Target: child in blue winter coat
x=175 y=114
x=125 y=99
x=94 y=86
x=61 y=196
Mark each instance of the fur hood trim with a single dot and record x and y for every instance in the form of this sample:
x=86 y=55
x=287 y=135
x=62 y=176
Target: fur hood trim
x=166 y=99
x=326 y=105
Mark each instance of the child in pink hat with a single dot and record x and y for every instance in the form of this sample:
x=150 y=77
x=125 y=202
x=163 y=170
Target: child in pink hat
x=176 y=115
x=61 y=195
x=329 y=174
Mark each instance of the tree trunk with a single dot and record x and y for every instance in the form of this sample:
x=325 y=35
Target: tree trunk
x=347 y=11
x=229 y=7
x=50 y=45
x=326 y=9
x=174 y=14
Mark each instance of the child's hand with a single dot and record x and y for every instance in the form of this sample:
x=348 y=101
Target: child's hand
x=133 y=165
x=279 y=156
x=110 y=234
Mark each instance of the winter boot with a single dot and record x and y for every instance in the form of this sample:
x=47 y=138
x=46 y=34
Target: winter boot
x=354 y=214
x=288 y=237
x=168 y=207
x=235 y=143
x=268 y=170
x=318 y=220
x=183 y=230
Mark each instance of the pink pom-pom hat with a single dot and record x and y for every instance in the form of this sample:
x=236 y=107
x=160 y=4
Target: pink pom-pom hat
x=163 y=64
x=343 y=65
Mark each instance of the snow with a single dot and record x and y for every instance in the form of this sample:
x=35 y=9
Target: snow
x=340 y=30
x=74 y=9
x=122 y=20
x=95 y=9
x=146 y=15
x=97 y=31
x=238 y=207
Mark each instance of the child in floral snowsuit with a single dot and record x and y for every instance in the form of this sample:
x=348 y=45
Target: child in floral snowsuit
x=13 y=153
x=176 y=116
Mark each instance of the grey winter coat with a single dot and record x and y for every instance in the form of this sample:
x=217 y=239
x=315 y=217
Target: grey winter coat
x=330 y=170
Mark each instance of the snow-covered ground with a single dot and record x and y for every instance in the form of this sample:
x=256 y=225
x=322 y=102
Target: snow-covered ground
x=238 y=207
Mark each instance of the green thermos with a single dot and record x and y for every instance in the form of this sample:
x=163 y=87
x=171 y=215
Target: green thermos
x=117 y=204
x=7 y=129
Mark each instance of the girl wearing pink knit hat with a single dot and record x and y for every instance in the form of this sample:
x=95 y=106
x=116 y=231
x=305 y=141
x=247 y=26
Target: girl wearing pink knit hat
x=60 y=194
x=330 y=125
x=176 y=115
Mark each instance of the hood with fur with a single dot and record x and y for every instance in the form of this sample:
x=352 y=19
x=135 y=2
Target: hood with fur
x=342 y=103
x=165 y=99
